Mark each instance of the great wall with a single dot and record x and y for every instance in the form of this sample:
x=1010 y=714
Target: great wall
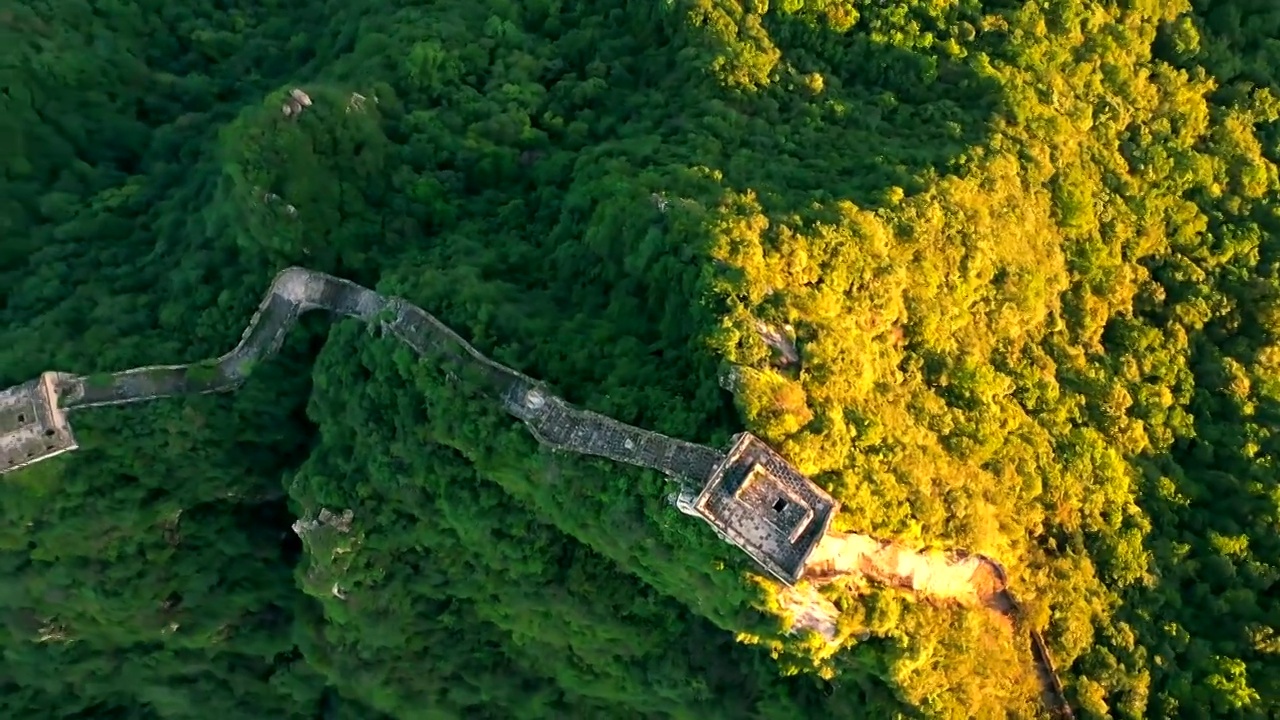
x=33 y=427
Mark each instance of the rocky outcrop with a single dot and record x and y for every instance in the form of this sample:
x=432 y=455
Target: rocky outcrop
x=967 y=579
x=781 y=340
x=330 y=544
x=295 y=103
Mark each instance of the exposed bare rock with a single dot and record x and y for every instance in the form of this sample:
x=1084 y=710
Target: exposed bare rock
x=936 y=575
x=270 y=198
x=295 y=103
x=54 y=632
x=809 y=610
x=730 y=378
x=782 y=340
x=341 y=523
x=331 y=544
x=968 y=579
x=325 y=518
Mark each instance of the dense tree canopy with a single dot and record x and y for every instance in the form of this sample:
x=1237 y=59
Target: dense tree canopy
x=1030 y=251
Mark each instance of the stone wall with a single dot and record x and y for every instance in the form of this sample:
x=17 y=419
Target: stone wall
x=32 y=425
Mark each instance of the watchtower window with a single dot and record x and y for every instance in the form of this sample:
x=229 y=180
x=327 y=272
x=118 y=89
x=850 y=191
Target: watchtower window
x=779 y=505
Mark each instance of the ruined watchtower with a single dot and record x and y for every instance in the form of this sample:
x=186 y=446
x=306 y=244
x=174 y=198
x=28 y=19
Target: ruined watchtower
x=32 y=426
x=756 y=500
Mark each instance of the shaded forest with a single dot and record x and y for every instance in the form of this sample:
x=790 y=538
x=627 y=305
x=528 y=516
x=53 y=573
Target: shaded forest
x=1028 y=252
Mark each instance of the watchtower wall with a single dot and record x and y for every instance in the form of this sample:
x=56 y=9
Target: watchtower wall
x=760 y=503
x=32 y=426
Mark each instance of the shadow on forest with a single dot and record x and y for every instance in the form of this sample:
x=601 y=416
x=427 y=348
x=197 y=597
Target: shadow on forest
x=882 y=117
x=885 y=117
x=1207 y=492
x=1194 y=565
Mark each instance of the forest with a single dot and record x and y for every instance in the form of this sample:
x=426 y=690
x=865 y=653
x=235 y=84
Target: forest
x=1029 y=251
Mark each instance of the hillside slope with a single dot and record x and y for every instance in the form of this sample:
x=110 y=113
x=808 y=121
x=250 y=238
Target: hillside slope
x=1026 y=251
